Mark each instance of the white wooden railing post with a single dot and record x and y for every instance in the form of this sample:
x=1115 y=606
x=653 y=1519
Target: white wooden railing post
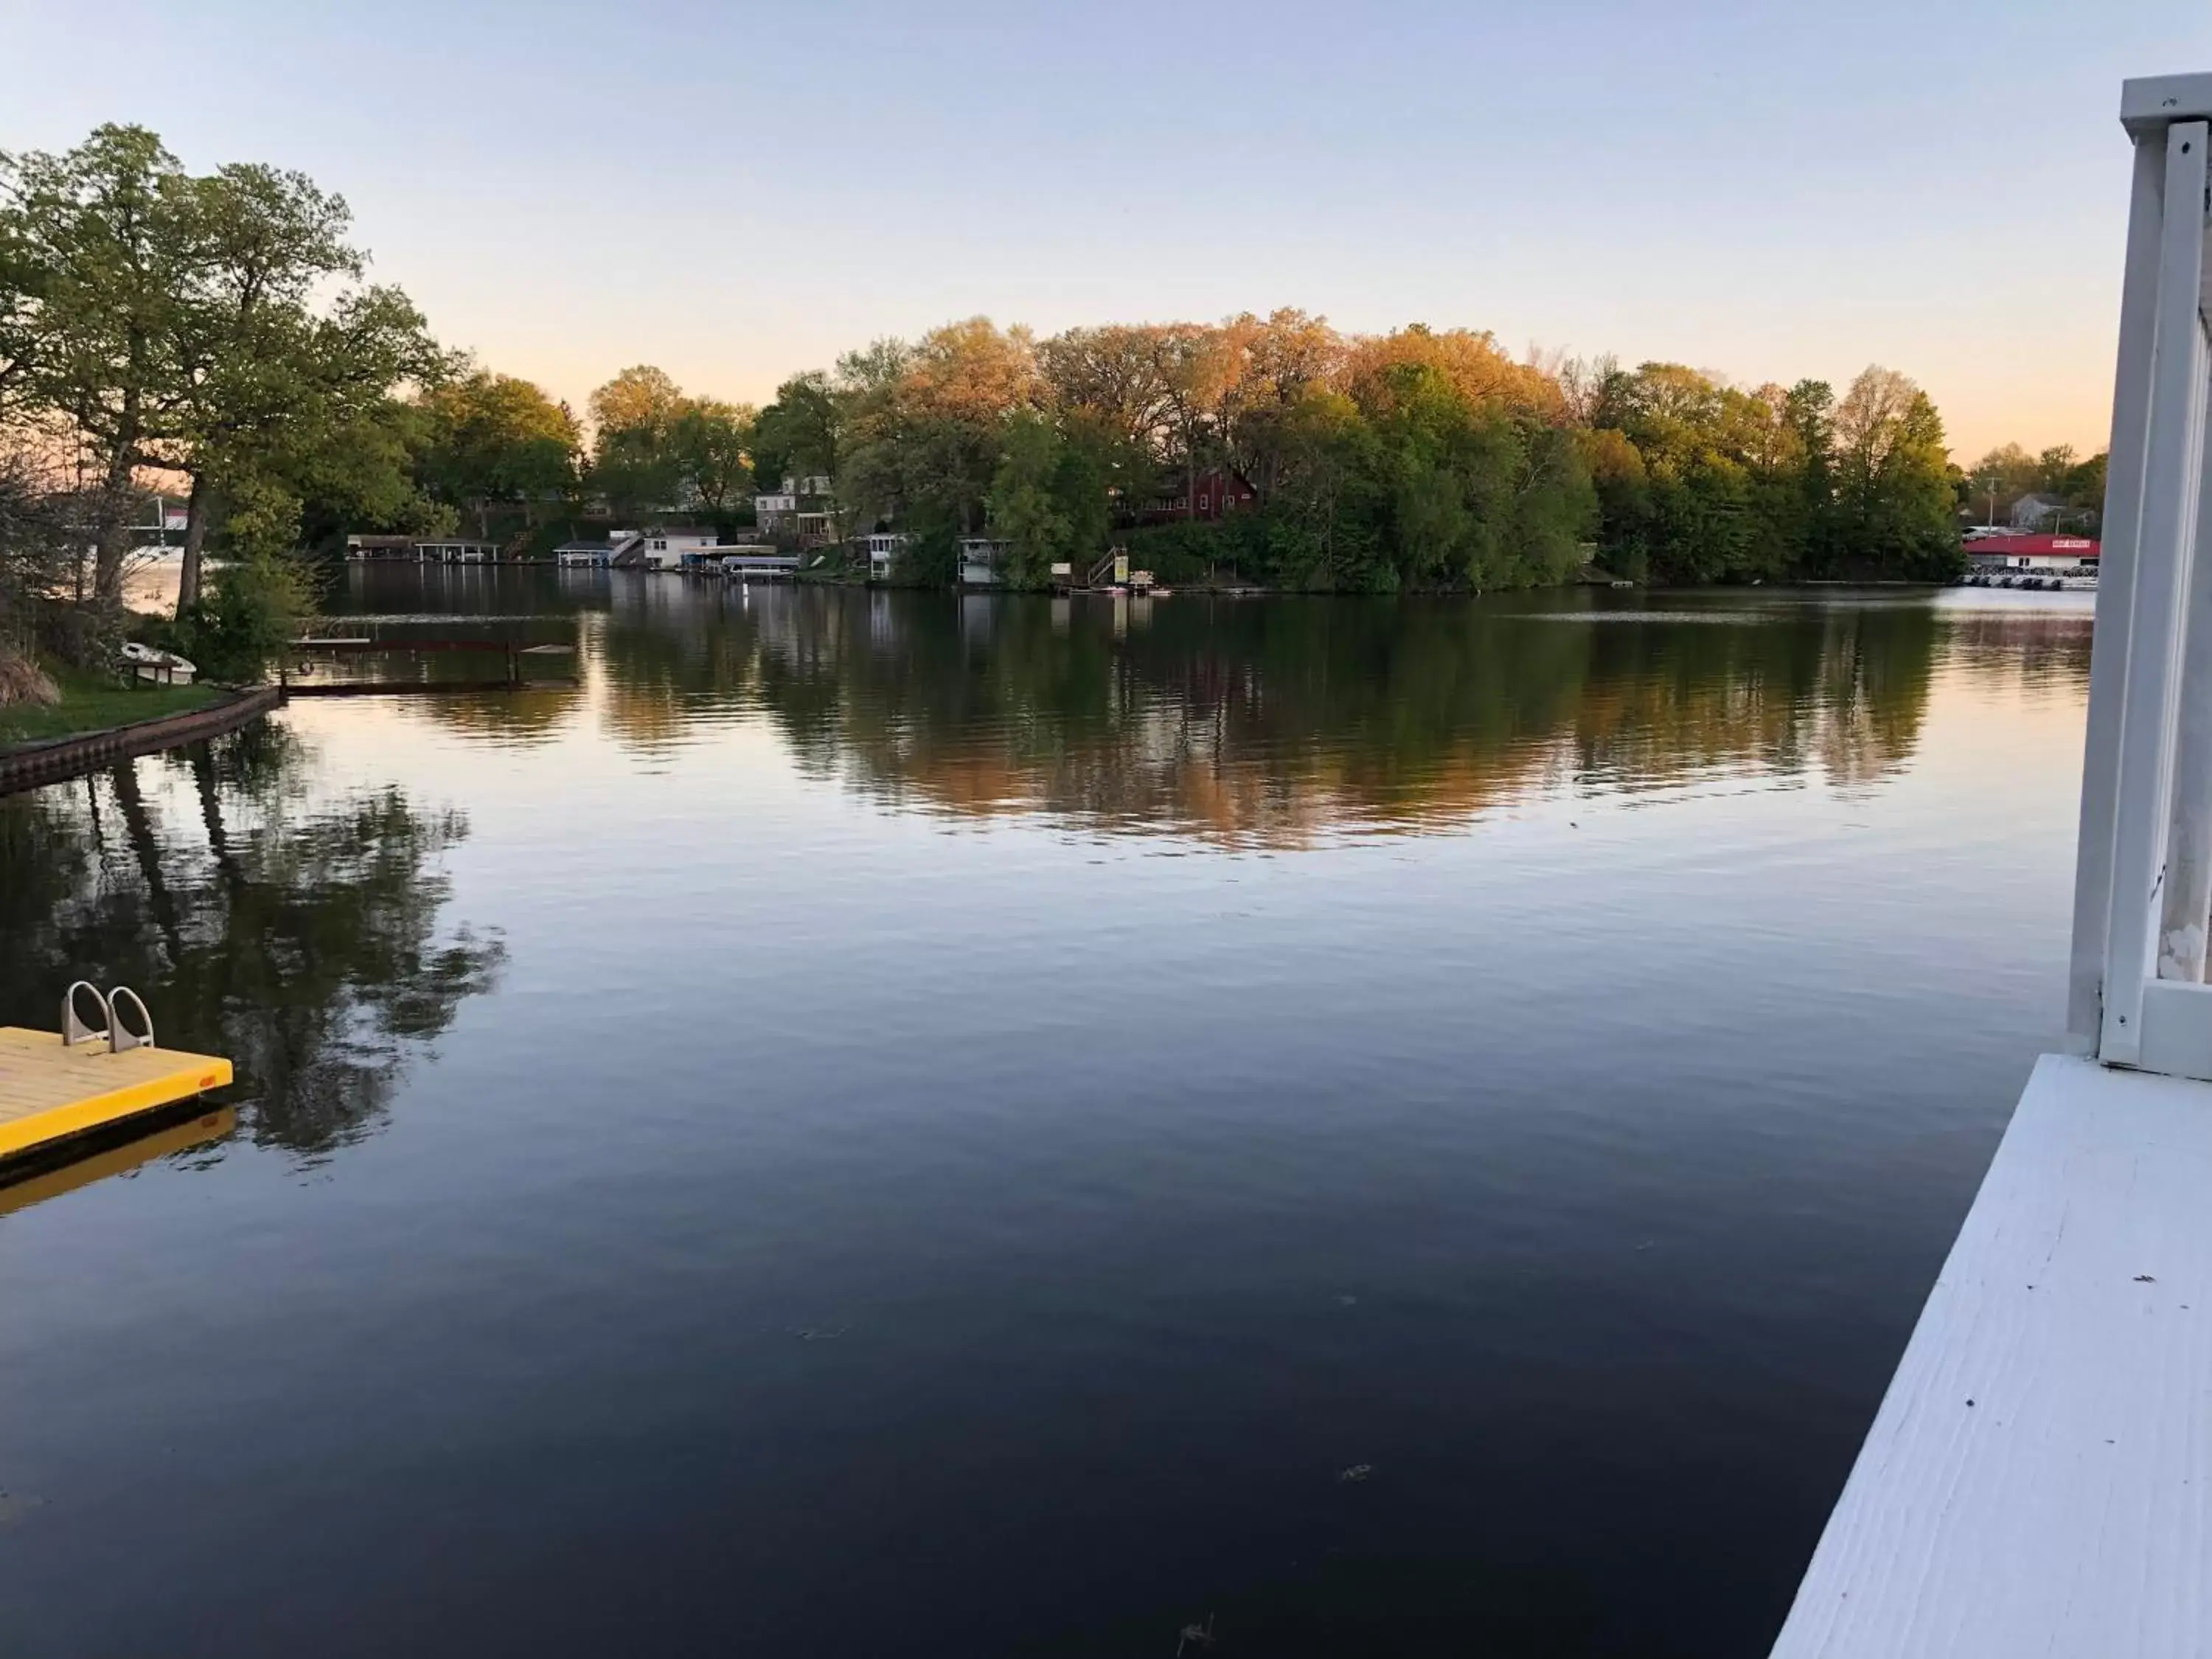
x=2108 y=665
x=2186 y=899
x=2167 y=537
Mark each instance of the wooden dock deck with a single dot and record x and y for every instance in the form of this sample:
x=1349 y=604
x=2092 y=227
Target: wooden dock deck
x=2038 y=1478
x=49 y=1091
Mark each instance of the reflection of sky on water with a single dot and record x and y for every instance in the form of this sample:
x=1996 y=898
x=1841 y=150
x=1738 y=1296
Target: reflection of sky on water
x=890 y=1104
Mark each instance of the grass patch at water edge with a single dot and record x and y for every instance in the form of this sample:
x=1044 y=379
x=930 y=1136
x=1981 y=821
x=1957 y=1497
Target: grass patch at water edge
x=93 y=702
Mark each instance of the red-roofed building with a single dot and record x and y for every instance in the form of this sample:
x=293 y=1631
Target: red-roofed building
x=1213 y=493
x=2042 y=556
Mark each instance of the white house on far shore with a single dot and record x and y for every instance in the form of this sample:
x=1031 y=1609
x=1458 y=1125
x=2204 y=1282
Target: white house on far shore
x=667 y=550
x=782 y=509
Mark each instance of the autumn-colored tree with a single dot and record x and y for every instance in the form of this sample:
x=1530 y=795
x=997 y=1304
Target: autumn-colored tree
x=1420 y=457
x=1111 y=374
x=1280 y=361
x=926 y=424
x=634 y=462
x=1468 y=361
x=653 y=447
x=970 y=371
x=1196 y=367
x=639 y=399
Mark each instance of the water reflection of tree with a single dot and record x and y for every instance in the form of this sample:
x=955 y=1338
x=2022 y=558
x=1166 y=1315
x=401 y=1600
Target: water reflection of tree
x=295 y=931
x=511 y=720
x=2028 y=647
x=1844 y=688
x=1279 y=720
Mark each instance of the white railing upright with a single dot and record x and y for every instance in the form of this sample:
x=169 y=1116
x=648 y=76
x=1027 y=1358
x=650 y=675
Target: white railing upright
x=2137 y=996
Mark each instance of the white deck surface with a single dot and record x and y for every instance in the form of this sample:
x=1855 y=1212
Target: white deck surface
x=2038 y=1479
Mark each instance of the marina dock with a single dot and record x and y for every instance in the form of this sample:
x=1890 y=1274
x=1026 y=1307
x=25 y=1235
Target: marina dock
x=50 y=1091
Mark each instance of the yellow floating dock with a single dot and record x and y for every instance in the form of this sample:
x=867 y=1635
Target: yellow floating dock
x=50 y=1091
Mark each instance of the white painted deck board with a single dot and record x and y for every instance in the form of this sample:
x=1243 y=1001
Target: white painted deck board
x=2067 y=1512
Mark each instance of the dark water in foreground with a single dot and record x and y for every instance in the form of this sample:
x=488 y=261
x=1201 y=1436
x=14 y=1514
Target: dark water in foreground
x=889 y=1125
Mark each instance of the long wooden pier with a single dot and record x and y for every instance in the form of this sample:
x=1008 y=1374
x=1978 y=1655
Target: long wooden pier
x=512 y=651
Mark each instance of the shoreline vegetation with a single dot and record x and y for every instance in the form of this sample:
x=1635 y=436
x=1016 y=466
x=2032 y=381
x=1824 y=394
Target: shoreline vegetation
x=214 y=339
x=87 y=703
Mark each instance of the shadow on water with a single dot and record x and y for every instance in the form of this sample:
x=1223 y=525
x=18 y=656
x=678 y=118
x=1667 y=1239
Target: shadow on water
x=294 y=930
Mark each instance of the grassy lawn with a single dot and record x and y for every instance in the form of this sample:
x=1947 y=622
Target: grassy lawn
x=90 y=703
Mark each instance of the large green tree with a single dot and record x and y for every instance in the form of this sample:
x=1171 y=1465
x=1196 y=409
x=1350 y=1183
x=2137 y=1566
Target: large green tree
x=100 y=261
x=209 y=327
x=1895 y=504
x=802 y=432
x=1047 y=501
x=712 y=445
x=279 y=384
x=490 y=441
x=654 y=447
x=634 y=462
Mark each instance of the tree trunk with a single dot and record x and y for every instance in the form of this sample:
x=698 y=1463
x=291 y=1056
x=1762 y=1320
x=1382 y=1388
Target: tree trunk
x=146 y=847
x=218 y=833
x=111 y=531
x=111 y=543
x=196 y=527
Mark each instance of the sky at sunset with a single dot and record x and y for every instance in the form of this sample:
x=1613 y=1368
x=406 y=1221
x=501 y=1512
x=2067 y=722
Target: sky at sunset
x=737 y=192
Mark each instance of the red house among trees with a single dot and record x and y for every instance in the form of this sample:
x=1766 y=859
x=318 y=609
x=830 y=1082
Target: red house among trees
x=1213 y=493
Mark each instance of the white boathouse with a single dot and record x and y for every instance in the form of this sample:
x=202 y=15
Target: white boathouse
x=882 y=549
x=979 y=560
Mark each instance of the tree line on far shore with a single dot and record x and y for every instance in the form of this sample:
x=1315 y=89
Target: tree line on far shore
x=1422 y=460
x=216 y=336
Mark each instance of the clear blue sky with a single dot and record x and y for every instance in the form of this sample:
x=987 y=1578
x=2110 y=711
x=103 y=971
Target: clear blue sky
x=735 y=192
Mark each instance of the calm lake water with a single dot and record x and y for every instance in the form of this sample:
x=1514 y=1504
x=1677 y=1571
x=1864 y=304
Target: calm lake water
x=882 y=1124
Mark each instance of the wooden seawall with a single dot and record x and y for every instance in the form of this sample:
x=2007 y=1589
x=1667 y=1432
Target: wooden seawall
x=34 y=764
